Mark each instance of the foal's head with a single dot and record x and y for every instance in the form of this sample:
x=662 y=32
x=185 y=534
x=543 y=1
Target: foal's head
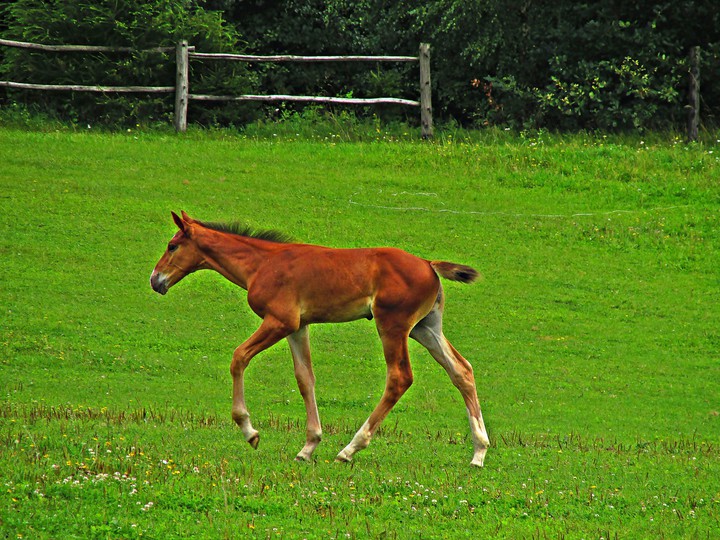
x=181 y=258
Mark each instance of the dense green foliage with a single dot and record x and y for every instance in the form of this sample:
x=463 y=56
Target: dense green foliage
x=594 y=338
x=592 y=65
x=124 y=23
x=562 y=65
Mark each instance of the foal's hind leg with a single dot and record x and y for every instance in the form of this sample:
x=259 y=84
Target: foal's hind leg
x=429 y=333
x=300 y=348
x=399 y=378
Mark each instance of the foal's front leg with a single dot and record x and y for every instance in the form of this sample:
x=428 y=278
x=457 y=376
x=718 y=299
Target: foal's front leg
x=300 y=348
x=270 y=332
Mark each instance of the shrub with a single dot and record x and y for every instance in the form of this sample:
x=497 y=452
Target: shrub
x=138 y=24
x=608 y=65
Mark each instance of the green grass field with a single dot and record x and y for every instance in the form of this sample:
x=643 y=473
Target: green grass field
x=594 y=336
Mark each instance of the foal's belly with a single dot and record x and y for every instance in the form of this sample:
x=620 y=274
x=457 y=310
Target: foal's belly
x=337 y=311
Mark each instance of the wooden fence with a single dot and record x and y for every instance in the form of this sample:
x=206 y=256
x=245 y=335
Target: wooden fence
x=184 y=53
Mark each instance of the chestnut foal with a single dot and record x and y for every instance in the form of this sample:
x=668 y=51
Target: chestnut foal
x=293 y=285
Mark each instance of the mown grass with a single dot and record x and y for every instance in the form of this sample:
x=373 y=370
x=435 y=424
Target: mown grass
x=594 y=337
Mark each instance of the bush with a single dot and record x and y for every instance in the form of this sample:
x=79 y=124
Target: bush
x=330 y=27
x=607 y=65
x=138 y=24
x=562 y=65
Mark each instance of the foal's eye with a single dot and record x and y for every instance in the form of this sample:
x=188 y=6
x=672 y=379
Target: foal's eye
x=172 y=248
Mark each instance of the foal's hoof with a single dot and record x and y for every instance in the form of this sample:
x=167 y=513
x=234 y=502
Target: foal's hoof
x=478 y=459
x=254 y=441
x=342 y=458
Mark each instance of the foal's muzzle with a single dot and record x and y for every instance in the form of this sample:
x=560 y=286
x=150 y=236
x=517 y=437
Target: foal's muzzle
x=159 y=283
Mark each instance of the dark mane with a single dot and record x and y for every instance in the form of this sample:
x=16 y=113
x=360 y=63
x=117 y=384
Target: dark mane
x=242 y=229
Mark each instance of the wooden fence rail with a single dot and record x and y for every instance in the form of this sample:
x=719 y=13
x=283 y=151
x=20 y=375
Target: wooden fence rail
x=86 y=88
x=296 y=58
x=184 y=53
x=77 y=48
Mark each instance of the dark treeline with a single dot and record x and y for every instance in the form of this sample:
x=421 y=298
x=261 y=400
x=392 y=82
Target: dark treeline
x=566 y=65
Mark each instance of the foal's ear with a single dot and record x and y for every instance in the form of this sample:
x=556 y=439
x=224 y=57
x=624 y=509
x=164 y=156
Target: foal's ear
x=178 y=221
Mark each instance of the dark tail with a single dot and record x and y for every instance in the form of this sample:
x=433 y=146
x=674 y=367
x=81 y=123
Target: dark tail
x=455 y=272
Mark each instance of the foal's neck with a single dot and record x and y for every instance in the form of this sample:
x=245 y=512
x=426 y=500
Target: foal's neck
x=233 y=256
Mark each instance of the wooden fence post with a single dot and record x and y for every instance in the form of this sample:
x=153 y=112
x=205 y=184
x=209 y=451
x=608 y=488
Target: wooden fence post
x=425 y=93
x=693 y=95
x=181 y=85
